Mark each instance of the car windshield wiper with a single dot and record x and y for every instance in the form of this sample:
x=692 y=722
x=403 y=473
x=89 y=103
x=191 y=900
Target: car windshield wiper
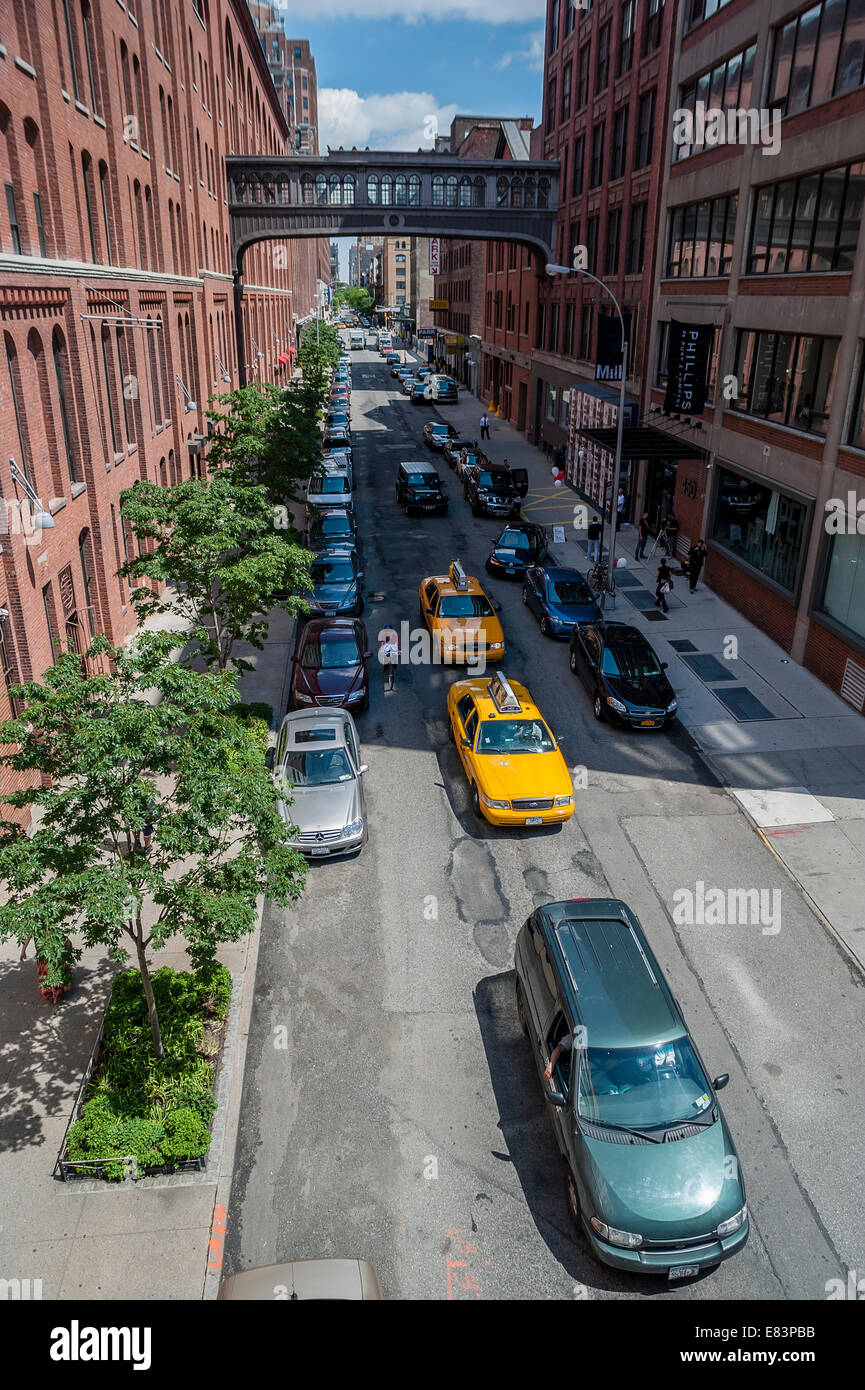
x=626 y=1129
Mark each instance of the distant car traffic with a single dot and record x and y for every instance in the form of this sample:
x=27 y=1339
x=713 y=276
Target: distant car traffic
x=559 y=599
x=622 y=674
x=454 y=445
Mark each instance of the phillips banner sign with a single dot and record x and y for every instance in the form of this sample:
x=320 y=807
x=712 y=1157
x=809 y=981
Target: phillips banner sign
x=435 y=255
x=687 y=367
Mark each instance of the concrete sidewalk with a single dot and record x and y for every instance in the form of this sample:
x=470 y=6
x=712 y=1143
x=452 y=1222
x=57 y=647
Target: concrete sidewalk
x=788 y=749
x=152 y=1240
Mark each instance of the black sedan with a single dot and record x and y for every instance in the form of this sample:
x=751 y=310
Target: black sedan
x=435 y=432
x=453 y=447
x=517 y=548
x=623 y=675
x=420 y=394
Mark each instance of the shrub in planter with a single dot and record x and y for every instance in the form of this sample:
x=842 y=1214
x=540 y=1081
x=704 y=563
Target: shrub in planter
x=186 y=1136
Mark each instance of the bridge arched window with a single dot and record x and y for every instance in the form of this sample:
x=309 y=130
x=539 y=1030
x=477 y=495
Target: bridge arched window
x=269 y=188
x=516 y=192
x=502 y=191
x=386 y=188
x=284 y=189
x=348 y=188
x=414 y=190
x=321 y=188
x=335 y=188
x=543 y=193
x=372 y=188
x=479 y=191
x=306 y=185
x=465 y=191
x=438 y=191
x=399 y=190
x=451 y=191
x=529 y=191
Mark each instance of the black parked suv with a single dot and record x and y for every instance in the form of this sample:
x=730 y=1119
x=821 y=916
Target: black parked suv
x=419 y=488
x=493 y=490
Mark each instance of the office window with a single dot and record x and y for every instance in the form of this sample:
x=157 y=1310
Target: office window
x=583 y=75
x=87 y=20
x=70 y=43
x=554 y=25
x=636 y=239
x=40 y=225
x=553 y=341
x=551 y=104
x=788 y=378
x=818 y=55
x=602 y=76
x=620 y=137
x=626 y=47
x=17 y=406
x=566 y=93
x=13 y=219
x=579 y=162
x=568 y=341
x=592 y=246
x=614 y=232
x=645 y=129
x=856 y=428
x=701 y=238
x=570 y=16
x=586 y=319
x=87 y=179
x=62 y=378
x=760 y=525
x=654 y=24
x=843 y=596
x=700 y=10
x=110 y=390
x=808 y=224
x=726 y=87
x=596 y=172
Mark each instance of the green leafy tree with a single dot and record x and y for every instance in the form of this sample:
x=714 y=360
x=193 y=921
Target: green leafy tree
x=359 y=299
x=219 y=543
x=320 y=349
x=152 y=742
x=268 y=435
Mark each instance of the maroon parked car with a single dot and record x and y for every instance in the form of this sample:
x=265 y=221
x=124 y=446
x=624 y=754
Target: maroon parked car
x=330 y=665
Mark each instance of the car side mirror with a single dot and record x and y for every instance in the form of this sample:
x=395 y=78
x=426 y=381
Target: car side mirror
x=364 y=767
x=664 y=665
x=268 y=759
x=556 y=1098
x=360 y=574
x=465 y=743
x=367 y=656
x=720 y=1081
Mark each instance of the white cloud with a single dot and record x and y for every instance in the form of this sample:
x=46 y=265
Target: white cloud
x=531 y=53
x=390 y=121
x=420 y=12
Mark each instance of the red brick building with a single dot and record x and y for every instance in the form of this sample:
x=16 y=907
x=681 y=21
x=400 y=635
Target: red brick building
x=116 y=295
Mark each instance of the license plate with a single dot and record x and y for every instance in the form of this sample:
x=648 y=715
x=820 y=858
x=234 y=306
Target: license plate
x=648 y=723
x=319 y=850
x=534 y=820
x=510 y=570
x=683 y=1271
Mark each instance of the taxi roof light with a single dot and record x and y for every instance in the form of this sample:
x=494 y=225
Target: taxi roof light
x=503 y=695
x=458 y=576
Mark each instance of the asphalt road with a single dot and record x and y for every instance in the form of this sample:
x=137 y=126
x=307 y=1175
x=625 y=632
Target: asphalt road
x=391 y=1108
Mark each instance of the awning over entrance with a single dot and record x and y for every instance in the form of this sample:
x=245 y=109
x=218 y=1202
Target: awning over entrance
x=645 y=442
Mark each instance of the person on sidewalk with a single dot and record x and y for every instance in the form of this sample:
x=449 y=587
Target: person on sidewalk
x=595 y=533
x=506 y=465
x=696 y=560
x=485 y=426
x=388 y=654
x=663 y=586
x=671 y=533
x=620 y=509
x=642 y=536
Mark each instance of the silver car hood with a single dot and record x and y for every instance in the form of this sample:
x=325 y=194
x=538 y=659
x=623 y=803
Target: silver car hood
x=324 y=808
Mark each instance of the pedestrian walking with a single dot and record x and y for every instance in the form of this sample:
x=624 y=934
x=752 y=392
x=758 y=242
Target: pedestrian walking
x=696 y=560
x=485 y=426
x=642 y=536
x=663 y=586
x=620 y=509
x=595 y=533
x=388 y=654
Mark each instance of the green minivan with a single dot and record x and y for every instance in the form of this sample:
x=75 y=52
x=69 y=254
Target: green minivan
x=653 y=1179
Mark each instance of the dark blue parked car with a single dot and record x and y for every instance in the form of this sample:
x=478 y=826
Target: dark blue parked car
x=560 y=599
x=517 y=549
x=336 y=584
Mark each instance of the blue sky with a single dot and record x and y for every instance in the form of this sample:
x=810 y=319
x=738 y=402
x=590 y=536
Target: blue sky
x=390 y=71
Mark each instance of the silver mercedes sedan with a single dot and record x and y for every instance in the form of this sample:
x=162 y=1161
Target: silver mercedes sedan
x=317 y=766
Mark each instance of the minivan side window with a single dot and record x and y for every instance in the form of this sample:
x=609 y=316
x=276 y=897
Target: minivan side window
x=561 y=1033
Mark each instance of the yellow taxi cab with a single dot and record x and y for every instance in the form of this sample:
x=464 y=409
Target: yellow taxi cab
x=515 y=769
x=460 y=617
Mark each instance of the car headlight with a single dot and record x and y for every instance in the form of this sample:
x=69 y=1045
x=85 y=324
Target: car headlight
x=303 y=699
x=495 y=646
x=354 y=827
x=493 y=805
x=616 y=705
x=733 y=1223
x=629 y=1239
x=564 y=800
x=672 y=706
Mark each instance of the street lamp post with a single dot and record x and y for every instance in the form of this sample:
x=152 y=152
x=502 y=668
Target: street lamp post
x=608 y=597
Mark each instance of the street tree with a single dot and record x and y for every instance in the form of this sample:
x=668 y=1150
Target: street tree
x=320 y=349
x=266 y=434
x=216 y=542
x=149 y=743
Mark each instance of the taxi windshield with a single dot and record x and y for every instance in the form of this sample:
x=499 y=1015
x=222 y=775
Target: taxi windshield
x=514 y=736
x=465 y=606
x=658 y=1085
